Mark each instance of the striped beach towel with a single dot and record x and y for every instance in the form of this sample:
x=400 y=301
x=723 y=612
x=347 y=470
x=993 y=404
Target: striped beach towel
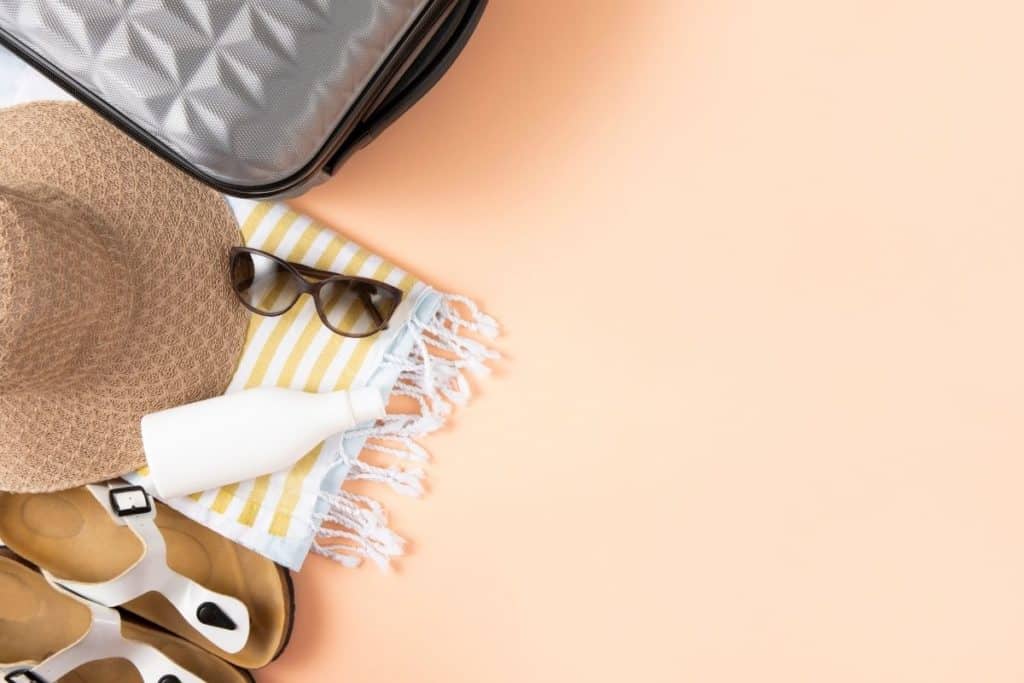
x=432 y=341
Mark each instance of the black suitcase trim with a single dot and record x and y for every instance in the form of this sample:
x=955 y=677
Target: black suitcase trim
x=423 y=75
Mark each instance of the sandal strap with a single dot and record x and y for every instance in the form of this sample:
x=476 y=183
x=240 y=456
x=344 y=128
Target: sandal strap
x=102 y=641
x=221 y=619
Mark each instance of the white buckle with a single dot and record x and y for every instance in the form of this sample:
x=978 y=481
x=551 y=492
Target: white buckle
x=23 y=676
x=130 y=501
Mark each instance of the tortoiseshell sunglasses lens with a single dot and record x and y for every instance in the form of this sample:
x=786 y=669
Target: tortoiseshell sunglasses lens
x=356 y=307
x=264 y=284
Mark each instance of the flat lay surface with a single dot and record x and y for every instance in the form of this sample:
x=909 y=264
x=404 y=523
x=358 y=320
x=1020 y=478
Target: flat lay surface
x=758 y=419
x=758 y=268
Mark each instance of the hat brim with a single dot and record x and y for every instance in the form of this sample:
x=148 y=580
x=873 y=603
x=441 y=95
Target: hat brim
x=185 y=327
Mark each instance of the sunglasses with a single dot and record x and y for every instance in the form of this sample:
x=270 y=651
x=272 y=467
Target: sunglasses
x=348 y=305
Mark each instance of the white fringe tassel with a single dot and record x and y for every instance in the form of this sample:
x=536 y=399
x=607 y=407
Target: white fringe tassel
x=434 y=375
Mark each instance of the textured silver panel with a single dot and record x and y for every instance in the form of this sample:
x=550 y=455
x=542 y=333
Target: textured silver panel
x=246 y=90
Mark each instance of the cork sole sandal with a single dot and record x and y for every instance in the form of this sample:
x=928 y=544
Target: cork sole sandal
x=118 y=547
x=48 y=635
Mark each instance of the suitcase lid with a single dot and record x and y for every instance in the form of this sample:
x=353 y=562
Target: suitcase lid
x=244 y=94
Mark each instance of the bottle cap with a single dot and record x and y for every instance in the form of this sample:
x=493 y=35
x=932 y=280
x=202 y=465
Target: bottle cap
x=367 y=404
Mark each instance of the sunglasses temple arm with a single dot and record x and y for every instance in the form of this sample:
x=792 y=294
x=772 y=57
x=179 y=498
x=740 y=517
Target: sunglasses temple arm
x=378 y=319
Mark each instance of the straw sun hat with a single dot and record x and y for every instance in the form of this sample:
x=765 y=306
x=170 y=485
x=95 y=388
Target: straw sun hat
x=114 y=296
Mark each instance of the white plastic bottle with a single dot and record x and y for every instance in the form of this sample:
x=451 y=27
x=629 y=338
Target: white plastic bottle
x=246 y=434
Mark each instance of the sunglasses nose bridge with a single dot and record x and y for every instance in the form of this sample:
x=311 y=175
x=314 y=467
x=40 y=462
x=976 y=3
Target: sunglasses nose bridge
x=305 y=286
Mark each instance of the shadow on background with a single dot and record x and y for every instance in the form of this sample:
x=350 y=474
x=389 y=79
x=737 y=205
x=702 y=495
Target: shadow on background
x=503 y=117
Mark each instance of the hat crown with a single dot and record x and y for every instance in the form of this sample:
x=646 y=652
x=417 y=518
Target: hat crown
x=58 y=281
x=115 y=299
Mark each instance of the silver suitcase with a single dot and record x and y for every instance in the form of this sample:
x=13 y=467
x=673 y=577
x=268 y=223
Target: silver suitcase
x=257 y=98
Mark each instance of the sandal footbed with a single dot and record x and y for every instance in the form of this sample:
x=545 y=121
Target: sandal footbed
x=72 y=536
x=36 y=621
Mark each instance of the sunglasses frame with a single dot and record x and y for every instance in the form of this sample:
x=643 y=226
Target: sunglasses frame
x=301 y=273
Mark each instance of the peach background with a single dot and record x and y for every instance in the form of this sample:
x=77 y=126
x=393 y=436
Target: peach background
x=759 y=265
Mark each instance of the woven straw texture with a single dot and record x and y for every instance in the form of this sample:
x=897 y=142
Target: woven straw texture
x=114 y=296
